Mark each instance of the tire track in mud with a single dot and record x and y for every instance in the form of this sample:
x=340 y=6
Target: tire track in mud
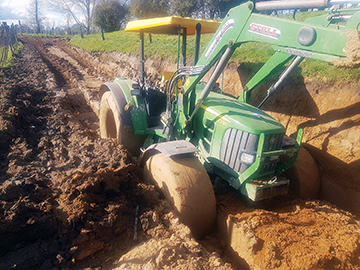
x=44 y=213
x=87 y=83
x=22 y=113
x=26 y=222
x=53 y=64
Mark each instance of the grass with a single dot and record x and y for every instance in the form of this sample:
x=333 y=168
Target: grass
x=302 y=16
x=18 y=47
x=252 y=55
x=162 y=46
x=42 y=35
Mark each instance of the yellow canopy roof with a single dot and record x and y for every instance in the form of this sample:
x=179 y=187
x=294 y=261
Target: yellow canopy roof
x=170 y=25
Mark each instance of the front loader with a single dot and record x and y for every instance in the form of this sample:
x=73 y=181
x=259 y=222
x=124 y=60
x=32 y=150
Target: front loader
x=185 y=128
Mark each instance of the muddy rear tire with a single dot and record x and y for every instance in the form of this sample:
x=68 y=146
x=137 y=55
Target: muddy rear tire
x=186 y=185
x=111 y=126
x=304 y=176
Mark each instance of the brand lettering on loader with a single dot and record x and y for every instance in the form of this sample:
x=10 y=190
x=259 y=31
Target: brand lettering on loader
x=264 y=30
x=299 y=53
x=228 y=25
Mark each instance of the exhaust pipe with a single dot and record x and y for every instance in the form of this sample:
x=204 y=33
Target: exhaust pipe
x=278 y=5
x=284 y=4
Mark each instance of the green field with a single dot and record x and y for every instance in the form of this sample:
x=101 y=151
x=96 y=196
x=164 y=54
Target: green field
x=252 y=55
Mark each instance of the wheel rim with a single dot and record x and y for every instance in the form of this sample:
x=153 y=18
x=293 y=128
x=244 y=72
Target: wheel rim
x=111 y=125
x=304 y=176
x=109 y=118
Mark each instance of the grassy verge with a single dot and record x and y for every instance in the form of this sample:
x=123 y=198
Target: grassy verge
x=161 y=47
x=165 y=47
x=18 y=47
x=42 y=35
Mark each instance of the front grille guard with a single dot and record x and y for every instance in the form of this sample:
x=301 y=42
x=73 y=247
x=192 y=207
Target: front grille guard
x=257 y=169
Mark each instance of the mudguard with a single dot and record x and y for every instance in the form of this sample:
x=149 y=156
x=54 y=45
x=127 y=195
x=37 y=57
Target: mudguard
x=120 y=99
x=169 y=149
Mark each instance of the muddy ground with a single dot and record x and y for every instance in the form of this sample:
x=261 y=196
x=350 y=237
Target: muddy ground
x=70 y=200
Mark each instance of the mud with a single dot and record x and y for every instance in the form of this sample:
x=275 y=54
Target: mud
x=352 y=49
x=289 y=234
x=71 y=200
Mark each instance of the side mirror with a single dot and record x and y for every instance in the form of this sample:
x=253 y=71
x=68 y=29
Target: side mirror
x=136 y=92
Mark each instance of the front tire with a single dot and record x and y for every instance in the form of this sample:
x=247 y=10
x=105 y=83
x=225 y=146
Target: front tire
x=186 y=185
x=304 y=176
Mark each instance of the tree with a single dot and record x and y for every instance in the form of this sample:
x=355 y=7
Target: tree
x=218 y=8
x=87 y=7
x=200 y=10
x=109 y=16
x=35 y=14
x=144 y=9
x=184 y=8
x=206 y=9
x=76 y=9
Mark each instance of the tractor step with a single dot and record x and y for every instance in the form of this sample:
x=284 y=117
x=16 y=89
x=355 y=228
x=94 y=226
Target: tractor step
x=158 y=130
x=258 y=190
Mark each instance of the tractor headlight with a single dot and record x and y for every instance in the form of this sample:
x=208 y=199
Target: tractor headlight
x=247 y=158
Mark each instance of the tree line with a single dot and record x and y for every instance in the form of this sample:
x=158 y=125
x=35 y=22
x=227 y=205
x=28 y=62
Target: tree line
x=85 y=16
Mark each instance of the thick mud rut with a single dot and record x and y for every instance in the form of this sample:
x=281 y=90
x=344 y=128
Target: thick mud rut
x=69 y=199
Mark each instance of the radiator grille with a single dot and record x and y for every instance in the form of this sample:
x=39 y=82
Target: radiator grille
x=273 y=142
x=235 y=142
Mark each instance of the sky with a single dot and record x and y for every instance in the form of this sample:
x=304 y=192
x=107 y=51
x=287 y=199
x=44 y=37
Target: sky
x=12 y=11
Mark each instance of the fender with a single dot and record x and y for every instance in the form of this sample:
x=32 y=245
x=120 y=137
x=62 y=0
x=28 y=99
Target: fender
x=120 y=99
x=169 y=149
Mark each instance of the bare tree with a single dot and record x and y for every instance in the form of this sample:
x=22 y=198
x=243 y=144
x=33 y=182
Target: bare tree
x=87 y=7
x=35 y=14
x=77 y=9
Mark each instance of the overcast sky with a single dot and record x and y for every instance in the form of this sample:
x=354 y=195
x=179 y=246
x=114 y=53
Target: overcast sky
x=14 y=10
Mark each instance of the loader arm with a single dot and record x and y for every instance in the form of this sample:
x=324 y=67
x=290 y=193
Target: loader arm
x=318 y=38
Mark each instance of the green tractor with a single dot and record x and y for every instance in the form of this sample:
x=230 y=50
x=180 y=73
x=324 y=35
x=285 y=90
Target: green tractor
x=185 y=128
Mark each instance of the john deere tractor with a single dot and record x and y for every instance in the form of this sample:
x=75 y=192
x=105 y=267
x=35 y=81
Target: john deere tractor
x=185 y=128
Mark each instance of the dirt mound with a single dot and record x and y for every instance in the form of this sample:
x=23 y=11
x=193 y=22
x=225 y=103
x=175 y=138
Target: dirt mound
x=352 y=49
x=171 y=246
x=295 y=235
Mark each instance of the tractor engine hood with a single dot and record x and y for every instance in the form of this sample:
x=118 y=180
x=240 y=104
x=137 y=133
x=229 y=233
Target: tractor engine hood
x=229 y=134
x=231 y=113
